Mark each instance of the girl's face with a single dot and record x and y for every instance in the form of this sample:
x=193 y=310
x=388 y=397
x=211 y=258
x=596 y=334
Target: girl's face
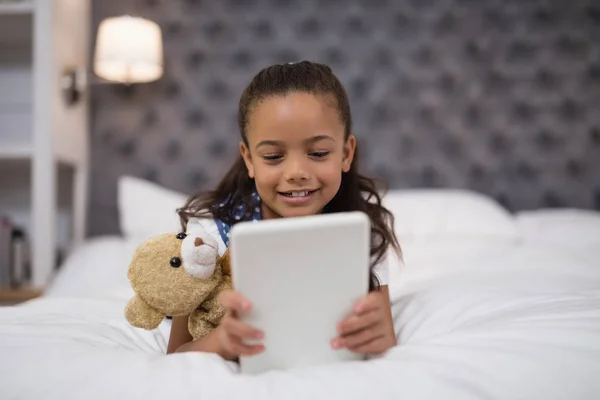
x=296 y=153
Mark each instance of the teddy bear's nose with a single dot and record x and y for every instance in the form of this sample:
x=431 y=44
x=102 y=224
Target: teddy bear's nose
x=198 y=242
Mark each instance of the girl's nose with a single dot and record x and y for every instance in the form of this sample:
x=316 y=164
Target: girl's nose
x=296 y=171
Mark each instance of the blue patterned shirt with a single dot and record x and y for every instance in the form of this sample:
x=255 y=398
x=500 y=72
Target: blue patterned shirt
x=238 y=214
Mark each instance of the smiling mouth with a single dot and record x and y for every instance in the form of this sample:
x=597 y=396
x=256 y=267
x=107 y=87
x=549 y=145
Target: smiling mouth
x=302 y=193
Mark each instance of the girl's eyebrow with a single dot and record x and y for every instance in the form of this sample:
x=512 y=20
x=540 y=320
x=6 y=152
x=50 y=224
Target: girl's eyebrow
x=306 y=141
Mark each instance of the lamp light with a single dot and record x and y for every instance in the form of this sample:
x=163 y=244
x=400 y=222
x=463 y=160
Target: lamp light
x=128 y=50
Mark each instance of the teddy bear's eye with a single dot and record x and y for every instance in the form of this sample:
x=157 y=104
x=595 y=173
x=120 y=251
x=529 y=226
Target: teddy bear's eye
x=175 y=262
x=181 y=236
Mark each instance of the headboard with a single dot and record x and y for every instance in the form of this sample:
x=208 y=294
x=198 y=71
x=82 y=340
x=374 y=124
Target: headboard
x=501 y=97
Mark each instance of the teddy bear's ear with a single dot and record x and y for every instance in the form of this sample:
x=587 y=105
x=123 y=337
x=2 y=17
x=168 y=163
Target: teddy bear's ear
x=139 y=314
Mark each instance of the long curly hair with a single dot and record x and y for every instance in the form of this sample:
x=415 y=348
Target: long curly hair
x=357 y=192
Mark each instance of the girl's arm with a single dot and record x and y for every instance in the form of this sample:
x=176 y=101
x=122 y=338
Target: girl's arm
x=179 y=334
x=181 y=341
x=388 y=311
x=226 y=339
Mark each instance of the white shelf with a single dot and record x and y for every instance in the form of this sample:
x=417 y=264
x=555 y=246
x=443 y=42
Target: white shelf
x=43 y=141
x=25 y=153
x=16 y=7
x=15 y=152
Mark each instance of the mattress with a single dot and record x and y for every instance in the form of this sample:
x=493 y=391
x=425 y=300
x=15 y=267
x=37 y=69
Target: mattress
x=474 y=319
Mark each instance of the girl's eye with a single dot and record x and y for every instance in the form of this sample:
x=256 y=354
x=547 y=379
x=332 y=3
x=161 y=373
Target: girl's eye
x=319 y=154
x=273 y=157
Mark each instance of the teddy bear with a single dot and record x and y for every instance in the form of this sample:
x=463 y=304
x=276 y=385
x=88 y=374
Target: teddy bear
x=175 y=274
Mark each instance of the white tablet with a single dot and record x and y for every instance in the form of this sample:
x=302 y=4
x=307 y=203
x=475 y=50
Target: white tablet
x=302 y=275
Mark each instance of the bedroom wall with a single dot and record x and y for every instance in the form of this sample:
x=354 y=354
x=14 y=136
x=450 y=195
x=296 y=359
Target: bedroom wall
x=498 y=96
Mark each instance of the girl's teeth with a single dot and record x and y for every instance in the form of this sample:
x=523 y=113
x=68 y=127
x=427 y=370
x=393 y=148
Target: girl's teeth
x=297 y=194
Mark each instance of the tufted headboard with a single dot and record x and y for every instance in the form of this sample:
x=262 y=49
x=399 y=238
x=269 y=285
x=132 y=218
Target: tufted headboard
x=497 y=96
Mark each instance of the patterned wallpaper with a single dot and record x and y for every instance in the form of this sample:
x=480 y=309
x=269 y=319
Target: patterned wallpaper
x=498 y=96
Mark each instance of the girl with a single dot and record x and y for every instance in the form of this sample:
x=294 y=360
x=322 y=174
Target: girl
x=298 y=158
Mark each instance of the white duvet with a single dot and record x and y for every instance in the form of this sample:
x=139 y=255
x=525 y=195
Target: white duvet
x=487 y=322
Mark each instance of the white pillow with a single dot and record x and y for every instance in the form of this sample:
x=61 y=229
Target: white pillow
x=147 y=209
x=449 y=214
x=573 y=228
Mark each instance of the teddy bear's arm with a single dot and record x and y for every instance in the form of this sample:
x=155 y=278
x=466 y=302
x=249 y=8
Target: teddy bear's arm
x=206 y=317
x=139 y=314
x=199 y=326
x=209 y=314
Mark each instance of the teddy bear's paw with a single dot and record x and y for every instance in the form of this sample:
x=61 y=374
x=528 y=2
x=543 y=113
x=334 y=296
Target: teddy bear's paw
x=198 y=326
x=139 y=314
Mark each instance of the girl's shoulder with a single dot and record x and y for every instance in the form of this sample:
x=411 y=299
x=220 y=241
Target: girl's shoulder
x=209 y=225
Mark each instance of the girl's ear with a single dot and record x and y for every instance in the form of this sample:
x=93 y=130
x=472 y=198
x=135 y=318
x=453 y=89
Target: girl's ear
x=245 y=152
x=349 y=149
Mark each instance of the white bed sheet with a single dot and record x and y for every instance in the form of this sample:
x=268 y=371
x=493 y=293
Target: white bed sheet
x=474 y=320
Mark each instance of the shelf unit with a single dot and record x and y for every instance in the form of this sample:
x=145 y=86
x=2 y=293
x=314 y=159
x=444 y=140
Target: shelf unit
x=43 y=139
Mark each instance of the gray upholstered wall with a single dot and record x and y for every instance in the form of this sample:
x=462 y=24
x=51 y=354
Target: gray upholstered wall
x=499 y=96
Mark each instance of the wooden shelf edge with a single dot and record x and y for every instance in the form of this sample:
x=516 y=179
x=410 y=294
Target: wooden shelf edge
x=19 y=294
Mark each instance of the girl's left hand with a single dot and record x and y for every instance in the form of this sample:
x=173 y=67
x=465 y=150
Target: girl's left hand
x=369 y=330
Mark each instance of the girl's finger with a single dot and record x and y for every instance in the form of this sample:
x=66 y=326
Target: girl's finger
x=234 y=301
x=370 y=302
x=361 y=337
x=375 y=346
x=240 y=329
x=356 y=323
x=236 y=346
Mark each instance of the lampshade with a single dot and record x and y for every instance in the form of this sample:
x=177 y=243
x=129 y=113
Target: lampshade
x=128 y=50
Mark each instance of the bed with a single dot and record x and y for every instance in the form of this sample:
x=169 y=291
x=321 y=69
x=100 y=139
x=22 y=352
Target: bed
x=487 y=305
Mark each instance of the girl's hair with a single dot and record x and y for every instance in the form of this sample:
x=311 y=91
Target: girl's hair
x=356 y=193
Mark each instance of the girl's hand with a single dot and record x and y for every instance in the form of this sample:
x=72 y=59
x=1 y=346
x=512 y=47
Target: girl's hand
x=232 y=332
x=370 y=329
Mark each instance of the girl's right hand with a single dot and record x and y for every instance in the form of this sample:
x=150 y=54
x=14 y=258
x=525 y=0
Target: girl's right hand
x=232 y=333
